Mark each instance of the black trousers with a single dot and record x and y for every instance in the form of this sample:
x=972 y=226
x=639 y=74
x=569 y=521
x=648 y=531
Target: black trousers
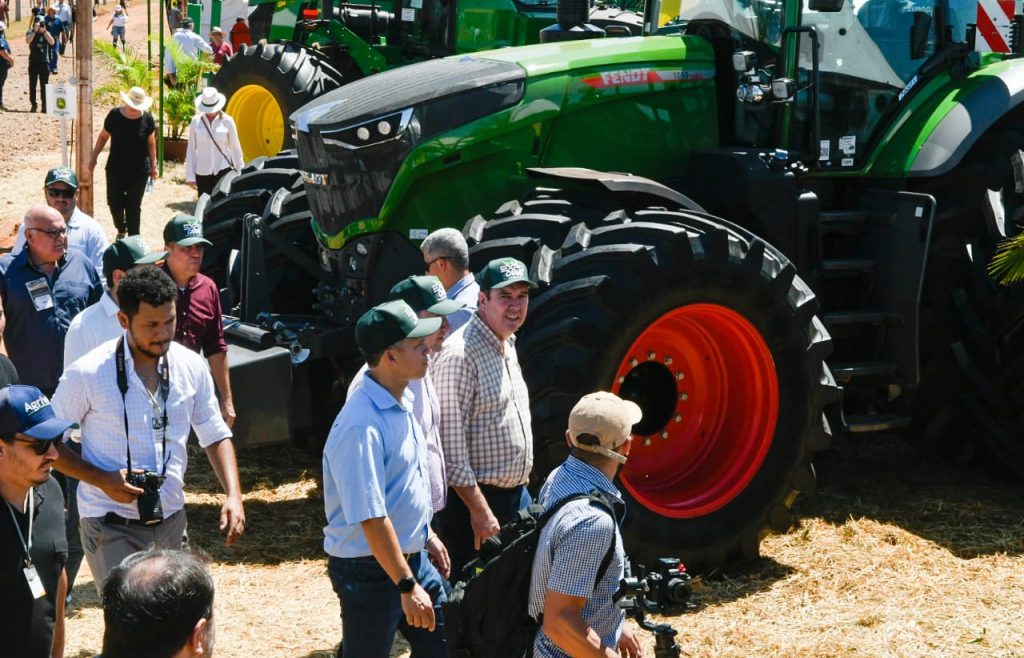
x=205 y=184
x=124 y=197
x=38 y=75
x=3 y=79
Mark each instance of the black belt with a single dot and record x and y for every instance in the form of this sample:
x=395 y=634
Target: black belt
x=114 y=519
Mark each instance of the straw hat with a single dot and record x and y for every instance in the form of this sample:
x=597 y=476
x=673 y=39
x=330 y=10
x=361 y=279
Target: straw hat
x=136 y=99
x=210 y=101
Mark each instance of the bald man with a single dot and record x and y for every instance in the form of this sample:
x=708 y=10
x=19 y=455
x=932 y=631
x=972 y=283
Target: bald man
x=42 y=287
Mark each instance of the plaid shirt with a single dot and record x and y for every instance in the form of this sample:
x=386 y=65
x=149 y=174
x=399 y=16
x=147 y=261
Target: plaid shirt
x=569 y=554
x=485 y=409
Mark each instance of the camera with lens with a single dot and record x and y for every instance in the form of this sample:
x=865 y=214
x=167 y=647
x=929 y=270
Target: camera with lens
x=666 y=587
x=151 y=512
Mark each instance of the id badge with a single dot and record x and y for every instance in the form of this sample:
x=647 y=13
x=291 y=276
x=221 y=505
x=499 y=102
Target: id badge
x=159 y=431
x=34 y=584
x=39 y=291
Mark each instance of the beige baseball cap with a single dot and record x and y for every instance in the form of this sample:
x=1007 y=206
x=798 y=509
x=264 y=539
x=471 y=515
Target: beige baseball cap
x=607 y=417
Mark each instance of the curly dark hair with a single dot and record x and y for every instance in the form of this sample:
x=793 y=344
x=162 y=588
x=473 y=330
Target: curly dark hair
x=146 y=283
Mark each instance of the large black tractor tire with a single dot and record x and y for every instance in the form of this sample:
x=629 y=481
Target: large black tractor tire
x=271 y=188
x=710 y=331
x=968 y=406
x=264 y=84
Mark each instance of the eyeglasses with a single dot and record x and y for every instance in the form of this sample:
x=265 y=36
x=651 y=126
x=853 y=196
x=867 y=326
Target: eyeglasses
x=427 y=265
x=61 y=193
x=40 y=447
x=54 y=233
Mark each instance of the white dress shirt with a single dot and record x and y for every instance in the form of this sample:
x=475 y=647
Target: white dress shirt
x=205 y=155
x=88 y=395
x=84 y=234
x=91 y=328
x=190 y=42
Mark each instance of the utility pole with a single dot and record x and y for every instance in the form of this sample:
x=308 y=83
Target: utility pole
x=83 y=127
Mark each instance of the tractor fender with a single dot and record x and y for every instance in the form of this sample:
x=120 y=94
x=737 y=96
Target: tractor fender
x=968 y=120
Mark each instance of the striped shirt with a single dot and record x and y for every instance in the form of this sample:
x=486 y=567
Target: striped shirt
x=485 y=409
x=570 y=551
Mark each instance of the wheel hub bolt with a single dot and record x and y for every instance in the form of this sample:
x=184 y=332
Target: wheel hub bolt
x=664 y=435
x=647 y=441
x=679 y=418
x=668 y=360
x=680 y=376
x=621 y=379
x=650 y=356
x=683 y=396
x=633 y=362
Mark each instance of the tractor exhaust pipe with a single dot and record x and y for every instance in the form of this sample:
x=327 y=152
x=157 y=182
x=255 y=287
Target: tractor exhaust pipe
x=572 y=16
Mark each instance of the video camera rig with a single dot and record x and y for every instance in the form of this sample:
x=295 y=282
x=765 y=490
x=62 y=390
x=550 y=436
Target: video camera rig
x=665 y=588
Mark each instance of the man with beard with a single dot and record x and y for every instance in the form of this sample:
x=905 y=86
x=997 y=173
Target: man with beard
x=159 y=603
x=485 y=414
x=136 y=398
x=32 y=544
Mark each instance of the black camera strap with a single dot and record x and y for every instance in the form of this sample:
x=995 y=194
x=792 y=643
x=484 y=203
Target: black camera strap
x=122 y=385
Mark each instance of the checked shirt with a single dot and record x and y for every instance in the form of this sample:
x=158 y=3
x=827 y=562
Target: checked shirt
x=485 y=409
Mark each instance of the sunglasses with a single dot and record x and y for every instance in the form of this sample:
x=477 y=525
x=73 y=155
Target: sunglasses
x=54 y=233
x=40 y=447
x=61 y=193
x=427 y=265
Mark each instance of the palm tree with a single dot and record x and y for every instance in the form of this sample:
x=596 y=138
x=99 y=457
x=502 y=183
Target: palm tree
x=1007 y=266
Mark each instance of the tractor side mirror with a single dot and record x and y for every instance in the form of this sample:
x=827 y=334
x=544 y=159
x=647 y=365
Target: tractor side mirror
x=825 y=6
x=919 y=31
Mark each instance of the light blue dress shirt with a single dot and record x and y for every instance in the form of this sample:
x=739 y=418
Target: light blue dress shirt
x=467 y=291
x=375 y=465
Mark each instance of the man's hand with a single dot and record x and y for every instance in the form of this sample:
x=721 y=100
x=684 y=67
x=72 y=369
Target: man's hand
x=191 y=183
x=115 y=485
x=232 y=518
x=629 y=646
x=418 y=609
x=154 y=173
x=439 y=555
x=227 y=412
x=485 y=525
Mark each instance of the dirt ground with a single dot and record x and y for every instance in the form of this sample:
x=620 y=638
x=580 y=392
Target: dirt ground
x=893 y=557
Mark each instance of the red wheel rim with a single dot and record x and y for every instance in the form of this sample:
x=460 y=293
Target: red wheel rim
x=707 y=384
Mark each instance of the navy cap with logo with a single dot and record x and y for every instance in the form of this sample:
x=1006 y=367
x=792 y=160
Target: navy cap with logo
x=61 y=175
x=502 y=272
x=386 y=324
x=25 y=410
x=425 y=293
x=184 y=231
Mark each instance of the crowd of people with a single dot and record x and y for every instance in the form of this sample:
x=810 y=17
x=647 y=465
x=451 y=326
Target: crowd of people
x=427 y=459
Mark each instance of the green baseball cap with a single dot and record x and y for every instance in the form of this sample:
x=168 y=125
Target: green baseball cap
x=502 y=272
x=184 y=231
x=61 y=175
x=127 y=253
x=386 y=324
x=425 y=293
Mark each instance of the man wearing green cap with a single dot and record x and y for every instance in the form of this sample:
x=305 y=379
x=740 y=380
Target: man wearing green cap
x=377 y=498
x=60 y=190
x=98 y=323
x=200 y=324
x=426 y=296
x=485 y=414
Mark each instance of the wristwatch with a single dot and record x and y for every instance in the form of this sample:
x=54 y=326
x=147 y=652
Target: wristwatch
x=406 y=584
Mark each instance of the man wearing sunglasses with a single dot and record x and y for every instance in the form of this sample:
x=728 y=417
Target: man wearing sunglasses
x=33 y=548
x=42 y=287
x=84 y=233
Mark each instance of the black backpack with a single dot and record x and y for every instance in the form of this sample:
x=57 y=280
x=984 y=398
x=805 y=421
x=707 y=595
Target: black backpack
x=486 y=615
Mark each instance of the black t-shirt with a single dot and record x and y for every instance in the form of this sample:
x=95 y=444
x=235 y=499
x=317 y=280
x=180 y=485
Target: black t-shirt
x=129 y=153
x=38 y=51
x=26 y=624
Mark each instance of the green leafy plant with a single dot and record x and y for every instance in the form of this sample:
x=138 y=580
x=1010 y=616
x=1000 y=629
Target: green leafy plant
x=1007 y=266
x=129 y=70
x=179 y=101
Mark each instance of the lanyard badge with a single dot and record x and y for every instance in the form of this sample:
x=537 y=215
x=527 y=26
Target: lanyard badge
x=35 y=585
x=39 y=291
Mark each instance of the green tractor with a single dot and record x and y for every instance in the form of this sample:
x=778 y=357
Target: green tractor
x=303 y=49
x=798 y=249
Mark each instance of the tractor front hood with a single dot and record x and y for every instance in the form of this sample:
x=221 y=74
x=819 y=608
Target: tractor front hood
x=352 y=141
